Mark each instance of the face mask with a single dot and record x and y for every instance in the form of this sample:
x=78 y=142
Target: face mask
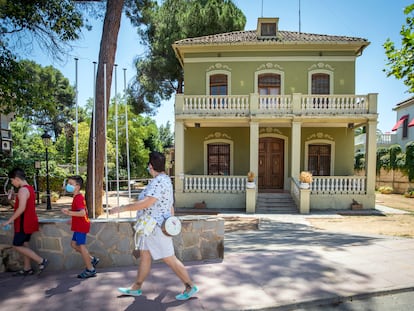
x=69 y=188
x=148 y=169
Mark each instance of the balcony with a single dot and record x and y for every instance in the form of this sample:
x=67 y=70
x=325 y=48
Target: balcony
x=295 y=104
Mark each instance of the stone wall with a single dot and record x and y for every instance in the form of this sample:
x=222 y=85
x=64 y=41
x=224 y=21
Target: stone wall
x=395 y=179
x=202 y=237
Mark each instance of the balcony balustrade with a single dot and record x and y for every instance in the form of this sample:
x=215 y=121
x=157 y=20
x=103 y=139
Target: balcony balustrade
x=296 y=104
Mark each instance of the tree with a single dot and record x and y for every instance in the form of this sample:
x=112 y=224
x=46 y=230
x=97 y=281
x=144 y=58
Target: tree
x=49 y=23
x=159 y=74
x=401 y=61
x=409 y=160
x=166 y=136
x=53 y=23
x=107 y=52
x=46 y=97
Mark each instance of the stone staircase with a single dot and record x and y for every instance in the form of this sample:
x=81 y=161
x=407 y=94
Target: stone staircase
x=275 y=203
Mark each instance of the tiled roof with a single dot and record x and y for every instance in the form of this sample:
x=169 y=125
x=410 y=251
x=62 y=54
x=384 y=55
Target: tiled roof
x=406 y=102
x=250 y=36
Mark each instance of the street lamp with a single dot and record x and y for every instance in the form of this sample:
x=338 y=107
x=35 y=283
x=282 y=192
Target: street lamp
x=46 y=141
x=37 y=168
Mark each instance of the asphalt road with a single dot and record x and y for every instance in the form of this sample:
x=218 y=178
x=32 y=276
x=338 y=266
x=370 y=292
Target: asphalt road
x=400 y=300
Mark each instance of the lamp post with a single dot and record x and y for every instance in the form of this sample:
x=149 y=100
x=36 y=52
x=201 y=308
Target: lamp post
x=46 y=141
x=37 y=167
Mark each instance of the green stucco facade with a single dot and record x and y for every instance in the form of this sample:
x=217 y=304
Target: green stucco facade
x=295 y=73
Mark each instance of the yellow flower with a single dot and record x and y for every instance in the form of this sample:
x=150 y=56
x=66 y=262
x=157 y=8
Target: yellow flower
x=305 y=177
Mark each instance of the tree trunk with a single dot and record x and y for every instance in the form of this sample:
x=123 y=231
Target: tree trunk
x=106 y=56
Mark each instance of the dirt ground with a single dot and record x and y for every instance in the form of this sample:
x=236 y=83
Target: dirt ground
x=400 y=225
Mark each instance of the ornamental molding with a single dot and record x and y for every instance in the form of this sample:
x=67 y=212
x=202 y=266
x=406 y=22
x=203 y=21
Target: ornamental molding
x=269 y=130
x=218 y=66
x=319 y=135
x=269 y=66
x=218 y=135
x=321 y=66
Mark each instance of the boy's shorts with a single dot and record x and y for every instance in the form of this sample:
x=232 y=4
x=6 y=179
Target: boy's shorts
x=79 y=238
x=20 y=237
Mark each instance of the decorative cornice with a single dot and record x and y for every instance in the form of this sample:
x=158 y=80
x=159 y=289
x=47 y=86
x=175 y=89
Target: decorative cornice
x=269 y=66
x=321 y=66
x=218 y=66
x=265 y=130
x=320 y=135
x=218 y=135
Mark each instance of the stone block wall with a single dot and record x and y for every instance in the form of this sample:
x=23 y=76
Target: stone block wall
x=395 y=179
x=202 y=237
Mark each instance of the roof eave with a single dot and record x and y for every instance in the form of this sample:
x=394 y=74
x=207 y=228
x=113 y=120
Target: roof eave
x=357 y=47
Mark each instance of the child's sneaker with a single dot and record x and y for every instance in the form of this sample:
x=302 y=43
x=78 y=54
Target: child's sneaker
x=95 y=261
x=24 y=272
x=43 y=265
x=187 y=295
x=87 y=274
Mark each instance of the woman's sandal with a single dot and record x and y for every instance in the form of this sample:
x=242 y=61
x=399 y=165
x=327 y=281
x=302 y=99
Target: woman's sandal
x=24 y=272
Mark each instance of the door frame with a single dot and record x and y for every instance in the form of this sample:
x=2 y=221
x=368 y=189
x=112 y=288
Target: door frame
x=286 y=184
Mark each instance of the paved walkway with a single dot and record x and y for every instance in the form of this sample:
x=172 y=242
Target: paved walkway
x=285 y=265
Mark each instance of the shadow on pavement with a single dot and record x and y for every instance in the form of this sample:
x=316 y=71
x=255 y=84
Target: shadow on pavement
x=272 y=235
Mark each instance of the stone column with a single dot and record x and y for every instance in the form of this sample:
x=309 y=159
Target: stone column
x=179 y=156
x=254 y=147
x=370 y=161
x=254 y=162
x=250 y=200
x=304 y=206
x=295 y=150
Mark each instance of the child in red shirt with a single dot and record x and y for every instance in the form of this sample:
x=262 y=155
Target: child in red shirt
x=80 y=226
x=25 y=222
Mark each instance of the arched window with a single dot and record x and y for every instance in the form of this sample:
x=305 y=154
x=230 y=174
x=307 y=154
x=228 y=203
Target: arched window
x=320 y=83
x=269 y=84
x=218 y=84
x=319 y=159
x=218 y=159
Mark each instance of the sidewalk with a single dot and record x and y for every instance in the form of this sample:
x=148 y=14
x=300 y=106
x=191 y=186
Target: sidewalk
x=284 y=265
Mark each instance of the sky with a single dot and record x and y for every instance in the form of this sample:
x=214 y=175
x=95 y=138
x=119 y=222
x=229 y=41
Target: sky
x=374 y=20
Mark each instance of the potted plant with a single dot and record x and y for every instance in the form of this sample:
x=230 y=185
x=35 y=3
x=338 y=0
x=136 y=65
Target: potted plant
x=355 y=205
x=305 y=179
x=386 y=189
x=409 y=193
x=250 y=180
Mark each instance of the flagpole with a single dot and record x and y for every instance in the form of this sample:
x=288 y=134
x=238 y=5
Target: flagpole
x=116 y=137
x=127 y=141
x=94 y=140
x=106 y=145
x=76 y=118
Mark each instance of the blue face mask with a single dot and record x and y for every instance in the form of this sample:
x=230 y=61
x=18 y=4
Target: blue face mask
x=148 y=169
x=69 y=188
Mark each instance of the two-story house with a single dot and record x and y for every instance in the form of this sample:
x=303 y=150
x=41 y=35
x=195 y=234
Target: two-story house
x=404 y=127
x=274 y=103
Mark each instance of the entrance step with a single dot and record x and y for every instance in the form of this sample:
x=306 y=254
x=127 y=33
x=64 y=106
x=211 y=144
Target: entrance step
x=275 y=203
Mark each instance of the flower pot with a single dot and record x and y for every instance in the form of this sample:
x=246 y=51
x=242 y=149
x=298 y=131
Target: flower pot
x=304 y=185
x=250 y=184
x=200 y=205
x=356 y=206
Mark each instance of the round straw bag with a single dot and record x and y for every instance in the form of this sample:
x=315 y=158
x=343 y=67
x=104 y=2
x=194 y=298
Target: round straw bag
x=171 y=226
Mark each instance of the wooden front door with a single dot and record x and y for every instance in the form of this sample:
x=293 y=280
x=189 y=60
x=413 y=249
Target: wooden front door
x=271 y=164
